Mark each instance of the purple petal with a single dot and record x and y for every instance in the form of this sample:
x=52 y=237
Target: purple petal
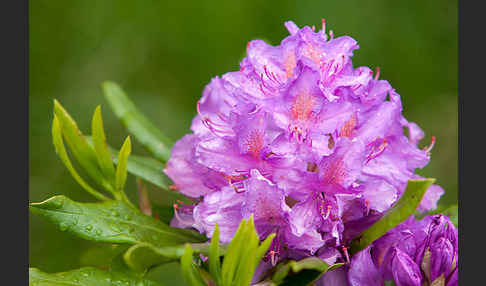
x=362 y=271
x=415 y=133
x=379 y=123
x=334 y=116
x=452 y=279
x=310 y=241
x=441 y=258
x=245 y=87
x=336 y=277
x=430 y=199
x=266 y=61
x=222 y=208
x=215 y=104
x=329 y=255
x=305 y=216
x=379 y=194
x=191 y=178
x=183 y=220
x=350 y=207
x=291 y=27
x=344 y=165
x=405 y=271
x=376 y=93
x=223 y=155
x=266 y=202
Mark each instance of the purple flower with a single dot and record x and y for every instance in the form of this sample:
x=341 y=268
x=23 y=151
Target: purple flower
x=310 y=145
x=405 y=271
x=363 y=271
x=413 y=253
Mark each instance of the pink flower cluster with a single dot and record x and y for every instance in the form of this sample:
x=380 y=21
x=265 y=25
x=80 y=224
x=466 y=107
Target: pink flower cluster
x=311 y=146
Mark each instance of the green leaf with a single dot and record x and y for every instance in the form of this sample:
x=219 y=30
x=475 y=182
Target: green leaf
x=118 y=264
x=262 y=249
x=247 y=263
x=86 y=276
x=111 y=221
x=143 y=256
x=136 y=123
x=101 y=254
x=189 y=270
x=82 y=151
x=452 y=213
x=243 y=255
x=61 y=152
x=214 y=259
x=146 y=168
x=100 y=147
x=163 y=212
x=301 y=272
x=151 y=171
x=402 y=210
x=231 y=258
x=121 y=168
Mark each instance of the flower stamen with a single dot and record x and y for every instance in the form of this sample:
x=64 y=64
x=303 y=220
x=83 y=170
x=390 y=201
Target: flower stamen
x=376 y=151
x=346 y=254
x=377 y=75
x=432 y=143
x=181 y=208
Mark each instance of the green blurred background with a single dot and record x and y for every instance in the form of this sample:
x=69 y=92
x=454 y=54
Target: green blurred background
x=163 y=53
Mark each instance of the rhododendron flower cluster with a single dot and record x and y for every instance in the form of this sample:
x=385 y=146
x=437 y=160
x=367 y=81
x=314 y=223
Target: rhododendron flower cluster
x=314 y=148
x=414 y=253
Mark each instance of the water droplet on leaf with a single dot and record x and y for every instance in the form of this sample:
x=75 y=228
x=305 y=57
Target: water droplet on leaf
x=63 y=226
x=116 y=228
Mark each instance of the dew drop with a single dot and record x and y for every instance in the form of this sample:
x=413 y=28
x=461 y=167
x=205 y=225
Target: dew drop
x=97 y=232
x=63 y=226
x=58 y=203
x=116 y=228
x=88 y=227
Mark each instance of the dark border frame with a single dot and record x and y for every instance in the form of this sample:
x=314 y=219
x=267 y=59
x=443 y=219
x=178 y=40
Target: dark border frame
x=14 y=22
x=471 y=194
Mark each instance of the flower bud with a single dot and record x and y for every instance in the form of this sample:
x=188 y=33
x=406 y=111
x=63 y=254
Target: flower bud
x=405 y=271
x=441 y=258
